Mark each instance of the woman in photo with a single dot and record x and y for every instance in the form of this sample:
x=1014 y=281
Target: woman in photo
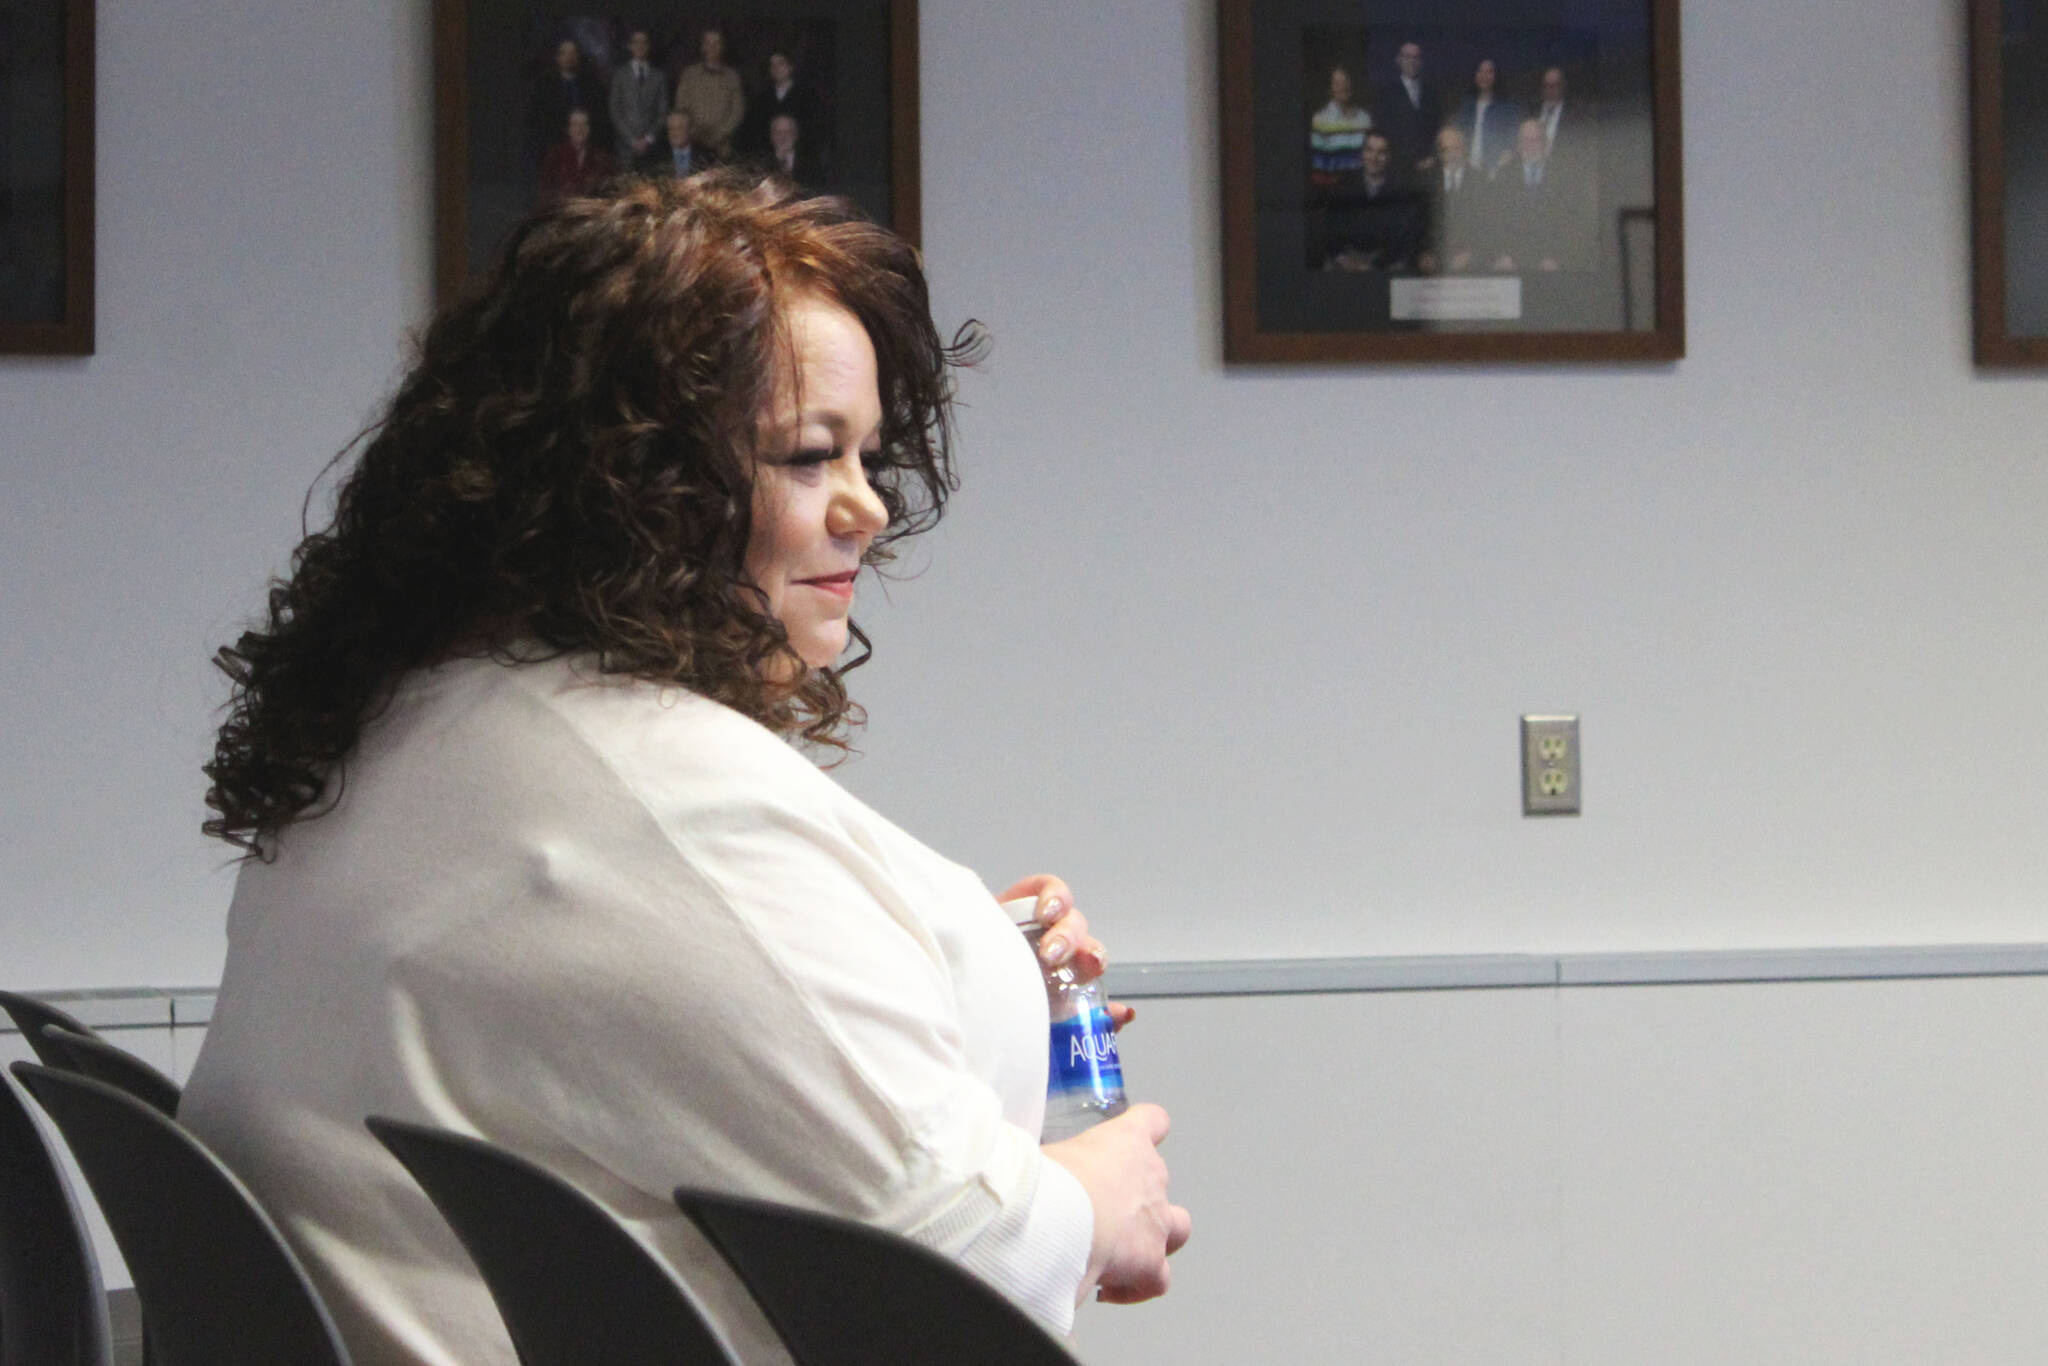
x=573 y=166
x=1488 y=122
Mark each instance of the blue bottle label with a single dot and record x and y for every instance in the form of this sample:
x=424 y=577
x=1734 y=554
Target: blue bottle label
x=1084 y=1060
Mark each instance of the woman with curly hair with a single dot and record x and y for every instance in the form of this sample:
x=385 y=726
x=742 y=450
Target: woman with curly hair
x=528 y=851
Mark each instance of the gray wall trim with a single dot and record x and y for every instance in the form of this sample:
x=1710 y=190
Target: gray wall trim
x=171 y=1007
x=1804 y=965
x=1274 y=976
x=129 y=1007
x=1263 y=977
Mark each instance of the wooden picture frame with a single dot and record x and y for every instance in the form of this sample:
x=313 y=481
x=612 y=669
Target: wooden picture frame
x=2008 y=124
x=1518 y=256
x=46 y=178
x=497 y=77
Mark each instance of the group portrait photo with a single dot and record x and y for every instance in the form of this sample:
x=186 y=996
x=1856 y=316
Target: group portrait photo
x=1403 y=170
x=538 y=103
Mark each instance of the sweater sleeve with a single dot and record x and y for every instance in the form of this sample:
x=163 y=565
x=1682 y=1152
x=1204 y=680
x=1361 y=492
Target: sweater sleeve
x=1036 y=1251
x=697 y=973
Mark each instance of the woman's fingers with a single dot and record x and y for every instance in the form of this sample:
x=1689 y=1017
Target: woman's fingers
x=1066 y=941
x=1180 y=1227
x=1048 y=889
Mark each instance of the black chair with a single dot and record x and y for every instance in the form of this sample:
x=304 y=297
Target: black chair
x=92 y=1056
x=574 y=1287
x=217 y=1284
x=30 y=1015
x=844 y=1294
x=53 y=1309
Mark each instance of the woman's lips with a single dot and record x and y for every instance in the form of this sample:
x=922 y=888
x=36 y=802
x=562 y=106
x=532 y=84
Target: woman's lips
x=838 y=585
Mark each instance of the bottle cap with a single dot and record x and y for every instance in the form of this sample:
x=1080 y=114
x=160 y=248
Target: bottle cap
x=1023 y=911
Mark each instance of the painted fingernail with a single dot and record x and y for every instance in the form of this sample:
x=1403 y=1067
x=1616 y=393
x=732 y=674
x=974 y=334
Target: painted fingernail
x=1052 y=910
x=1054 y=948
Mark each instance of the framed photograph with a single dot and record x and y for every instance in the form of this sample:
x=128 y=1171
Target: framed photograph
x=535 y=100
x=1451 y=180
x=46 y=177
x=2009 y=179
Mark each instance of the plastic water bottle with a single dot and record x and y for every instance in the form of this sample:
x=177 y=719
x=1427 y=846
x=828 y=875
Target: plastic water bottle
x=1084 y=1078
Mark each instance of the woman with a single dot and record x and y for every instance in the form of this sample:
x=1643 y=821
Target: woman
x=572 y=166
x=1487 y=121
x=1336 y=135
x=530 y=856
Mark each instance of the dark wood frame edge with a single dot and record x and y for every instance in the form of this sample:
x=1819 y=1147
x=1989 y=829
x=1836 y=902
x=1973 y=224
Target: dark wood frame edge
x=1243 y=343
x=75 y=335
x=1991 y=344
x=906 y=139
x=451 y=137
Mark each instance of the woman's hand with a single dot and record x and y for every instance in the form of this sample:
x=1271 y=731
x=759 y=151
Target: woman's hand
x=1136 y=1227
x=1066 y=941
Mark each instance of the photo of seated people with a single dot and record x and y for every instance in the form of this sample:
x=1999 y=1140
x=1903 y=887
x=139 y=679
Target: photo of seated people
x=609 y=96
x=1430 y=155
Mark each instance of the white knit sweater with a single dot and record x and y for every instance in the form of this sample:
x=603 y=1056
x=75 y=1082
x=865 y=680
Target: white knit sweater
x=636 y=937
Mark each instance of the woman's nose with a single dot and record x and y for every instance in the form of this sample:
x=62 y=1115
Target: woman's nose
x=857 y=509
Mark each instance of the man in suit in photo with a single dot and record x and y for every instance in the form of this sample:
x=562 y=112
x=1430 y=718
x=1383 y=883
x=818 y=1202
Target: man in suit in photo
x=789 y=153
x=639 y=100
x=1542 y=219
x=675 y=154
x=1454 y=208
x=1570 y=138
x=1409 y=112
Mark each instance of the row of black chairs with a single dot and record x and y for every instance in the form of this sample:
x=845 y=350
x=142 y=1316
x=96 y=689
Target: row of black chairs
x=218 y=1285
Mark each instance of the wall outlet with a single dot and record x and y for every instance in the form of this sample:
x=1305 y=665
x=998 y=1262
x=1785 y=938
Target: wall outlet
x=1550 y=765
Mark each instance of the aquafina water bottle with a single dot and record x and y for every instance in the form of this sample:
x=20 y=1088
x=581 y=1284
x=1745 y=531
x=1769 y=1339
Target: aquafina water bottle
x=1085 y=1078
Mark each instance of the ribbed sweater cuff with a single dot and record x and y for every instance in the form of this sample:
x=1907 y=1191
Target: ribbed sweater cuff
x=1036 y=1250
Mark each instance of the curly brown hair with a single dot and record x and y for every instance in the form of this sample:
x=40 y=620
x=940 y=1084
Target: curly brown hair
x=568 y=468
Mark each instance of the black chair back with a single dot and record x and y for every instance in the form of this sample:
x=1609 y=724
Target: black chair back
x=844 y=1294
x=31 y=1014
x=573 y=1286
x=217 y=1284
x=92 y=1056
x=53 y=1309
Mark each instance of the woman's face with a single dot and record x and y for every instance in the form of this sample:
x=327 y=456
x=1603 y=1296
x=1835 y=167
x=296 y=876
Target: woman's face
x=1484 y=77
x=814 y=513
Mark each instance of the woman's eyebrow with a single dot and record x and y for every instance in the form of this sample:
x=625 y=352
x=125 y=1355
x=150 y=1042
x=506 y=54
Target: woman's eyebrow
x=836 y=420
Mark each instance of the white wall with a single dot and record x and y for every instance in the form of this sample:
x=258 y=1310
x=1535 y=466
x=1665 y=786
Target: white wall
x=1241 y=651
x=1238 y=651
x=262 y=245
x=1778 y=1175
